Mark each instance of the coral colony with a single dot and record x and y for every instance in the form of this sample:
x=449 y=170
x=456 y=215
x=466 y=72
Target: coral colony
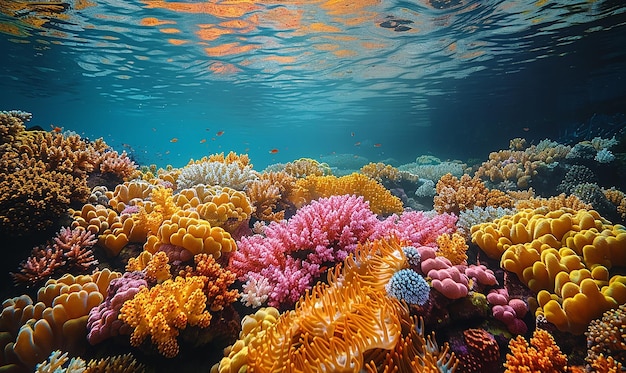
x=514 y=264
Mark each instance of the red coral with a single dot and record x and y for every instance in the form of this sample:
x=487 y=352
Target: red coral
x=41 y=264
x=219 y=280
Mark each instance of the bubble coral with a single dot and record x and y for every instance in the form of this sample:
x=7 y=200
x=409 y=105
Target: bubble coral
x=186 y=229
x=220 y=206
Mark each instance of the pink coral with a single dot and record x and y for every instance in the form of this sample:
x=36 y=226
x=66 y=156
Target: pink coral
x=481 y=274
x=292 y=254
x=71 y=248
x=450 y=280
x=509 y=311
x=417 y=227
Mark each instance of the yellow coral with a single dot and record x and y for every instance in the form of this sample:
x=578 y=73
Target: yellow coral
x=59 y=318
x=221 y=206
x=129 y=193
x=164 y=310
x=186 y=229
x=381 y=201
x=564 y=256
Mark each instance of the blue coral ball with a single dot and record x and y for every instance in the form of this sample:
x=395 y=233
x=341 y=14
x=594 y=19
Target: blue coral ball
x=412 y=256
x=409 y=286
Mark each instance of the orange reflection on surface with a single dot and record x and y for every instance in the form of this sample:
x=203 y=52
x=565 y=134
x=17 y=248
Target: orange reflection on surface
x=11 y=29
x=170 y=30
x=283 y=19
x=322 y=27
x=371 y=45
x=227 y=9
x=223 y=68
x=326 y=47
x=344 y=53
x=177 y=41
x=151 y=21
x=210 y=32
x=229 y=49
x=281 y=59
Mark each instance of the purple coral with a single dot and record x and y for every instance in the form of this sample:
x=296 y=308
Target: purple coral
x=103 y=320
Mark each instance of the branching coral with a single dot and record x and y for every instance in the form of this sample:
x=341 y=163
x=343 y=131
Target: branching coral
x=380 y=172
x=218 y=281
x=70 y=249
x=269 y=195
x=456 y=195
x=541 y=355
x=231 y=171
x=291 y=255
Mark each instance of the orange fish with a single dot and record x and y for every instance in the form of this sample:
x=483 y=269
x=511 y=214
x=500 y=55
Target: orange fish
x=202 y=141
x=377 y=145
x=219 y=133
x=358 y=143
x=274 y=151
x=56 y=129
x=174 y=139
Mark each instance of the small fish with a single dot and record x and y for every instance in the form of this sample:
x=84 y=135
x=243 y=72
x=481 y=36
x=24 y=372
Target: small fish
x=358 y=143
x=526 y=129
x=174 y=139
x=207 y=129
x=274 y=151
x=56 y=129
x=219 y=133
x=202 y=141
x=153 y=129
x=377 y=145
x=352 y=134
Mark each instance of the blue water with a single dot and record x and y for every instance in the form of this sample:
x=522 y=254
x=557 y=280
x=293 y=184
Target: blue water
x=385 y=80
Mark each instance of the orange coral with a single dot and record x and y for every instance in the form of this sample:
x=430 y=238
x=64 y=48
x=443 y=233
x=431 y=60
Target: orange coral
x=541 y=356
x=164 y=310
x=156 y=266
x=456 y=195
x=553 y=203
x=618 y=198
x=218 y=281
x=130 y=193
x=381 y=201
x=348 y=324
x=452 y=247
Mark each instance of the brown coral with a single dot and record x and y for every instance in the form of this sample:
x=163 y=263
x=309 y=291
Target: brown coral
x=456 y=195
x=269 y=195
x=381 y=172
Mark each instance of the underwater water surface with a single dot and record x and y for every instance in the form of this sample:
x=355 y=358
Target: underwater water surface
x=378 y=79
